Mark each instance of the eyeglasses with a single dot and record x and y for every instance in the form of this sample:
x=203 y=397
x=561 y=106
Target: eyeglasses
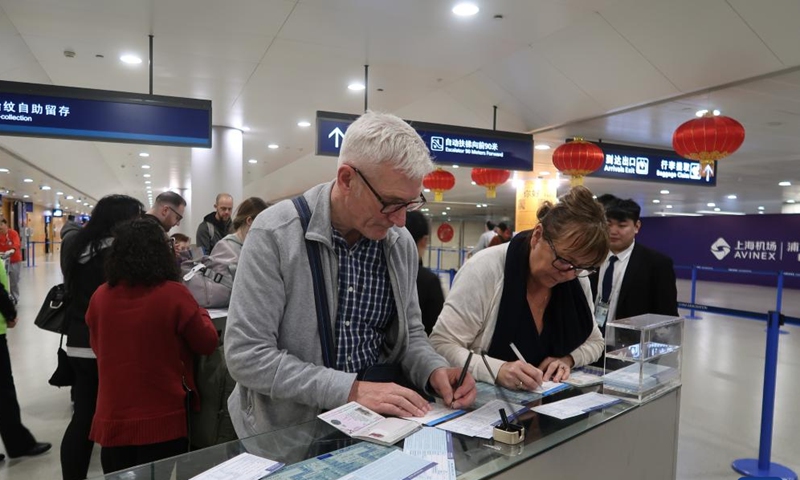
x=180 y=217
x=389 y=208
x=563 y=265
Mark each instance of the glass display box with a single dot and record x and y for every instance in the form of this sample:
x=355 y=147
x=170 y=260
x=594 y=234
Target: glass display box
x=643 y=356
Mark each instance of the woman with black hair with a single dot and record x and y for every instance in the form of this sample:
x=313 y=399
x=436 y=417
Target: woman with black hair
x=83 y=255
x=145 y=327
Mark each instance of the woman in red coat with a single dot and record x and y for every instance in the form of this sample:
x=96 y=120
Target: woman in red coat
x=144 y=327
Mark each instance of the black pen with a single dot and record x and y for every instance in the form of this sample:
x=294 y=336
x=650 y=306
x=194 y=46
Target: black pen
x=504 y=418
x=461 y=377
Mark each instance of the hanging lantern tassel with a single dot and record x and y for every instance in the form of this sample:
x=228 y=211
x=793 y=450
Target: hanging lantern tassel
x=577 y=159
x=708 y=139
x=439 y=181
x=490 y=178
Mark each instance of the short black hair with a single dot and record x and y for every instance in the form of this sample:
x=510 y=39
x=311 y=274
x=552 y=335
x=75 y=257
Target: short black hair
x=606 y=199
x=490 y=225
x=140 y=255
x=621 y=210
x=502 y=226
x=170 y=198
x=417 y=225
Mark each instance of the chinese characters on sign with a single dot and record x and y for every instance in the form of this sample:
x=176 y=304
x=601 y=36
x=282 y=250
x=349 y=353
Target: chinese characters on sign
x=10 y=110
x=768 y=250
x=460 y=145
x=638 y=163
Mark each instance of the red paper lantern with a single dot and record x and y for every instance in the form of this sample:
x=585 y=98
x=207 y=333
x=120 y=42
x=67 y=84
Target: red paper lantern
x=707 y=139
x=577 y=159
x=439 y=181
x=490 y=178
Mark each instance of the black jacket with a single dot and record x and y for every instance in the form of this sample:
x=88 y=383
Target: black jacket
x=205 y=240
x=82 y=279
x=648 y=285
x=431 y=297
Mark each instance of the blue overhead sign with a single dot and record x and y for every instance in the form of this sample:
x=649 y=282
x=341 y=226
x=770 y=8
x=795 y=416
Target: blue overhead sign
x=624 y=162
x=35 y=110
x=449 y=144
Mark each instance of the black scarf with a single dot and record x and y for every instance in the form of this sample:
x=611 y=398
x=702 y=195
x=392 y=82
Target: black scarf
x=567 y=318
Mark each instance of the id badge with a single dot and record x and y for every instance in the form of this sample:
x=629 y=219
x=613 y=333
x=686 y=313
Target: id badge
x=601 y=314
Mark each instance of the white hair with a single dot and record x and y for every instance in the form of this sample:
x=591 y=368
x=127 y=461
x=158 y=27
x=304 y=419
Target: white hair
x=385 y=139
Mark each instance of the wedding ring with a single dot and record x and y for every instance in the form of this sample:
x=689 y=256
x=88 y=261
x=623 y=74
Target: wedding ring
x=520 y=385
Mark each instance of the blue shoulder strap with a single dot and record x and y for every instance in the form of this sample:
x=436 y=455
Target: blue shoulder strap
x=320 y=295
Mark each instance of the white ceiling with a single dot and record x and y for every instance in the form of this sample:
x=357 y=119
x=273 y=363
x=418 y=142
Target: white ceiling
x=625 y=71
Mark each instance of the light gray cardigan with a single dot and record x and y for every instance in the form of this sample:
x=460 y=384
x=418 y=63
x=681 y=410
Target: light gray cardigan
x=272 y=344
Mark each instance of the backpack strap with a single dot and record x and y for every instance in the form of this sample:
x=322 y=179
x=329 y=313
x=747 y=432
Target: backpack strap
x=320 y=295
x=211 y=231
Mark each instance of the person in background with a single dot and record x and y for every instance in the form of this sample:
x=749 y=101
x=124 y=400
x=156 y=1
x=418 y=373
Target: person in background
x=504 y=234
x=533 y=292
x=429 y=288
x=283 y=374
x=216 y=224
x=145 y=328
x=180 y=242
x=17 y=439
x=168 y=209
x=83 y=254
x=635 y=279
x=10 y=245
x=484 y=239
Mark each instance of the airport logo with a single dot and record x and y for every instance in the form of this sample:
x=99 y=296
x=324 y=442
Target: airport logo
x=720 y=248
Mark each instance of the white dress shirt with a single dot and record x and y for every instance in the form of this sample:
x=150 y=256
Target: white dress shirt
x=616 y=281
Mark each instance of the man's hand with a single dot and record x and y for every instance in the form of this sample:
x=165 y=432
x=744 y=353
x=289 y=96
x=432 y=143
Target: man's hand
x=444 y=379
x=518 y=375
x=389 y=399
x=12 y=323
x=556 y=369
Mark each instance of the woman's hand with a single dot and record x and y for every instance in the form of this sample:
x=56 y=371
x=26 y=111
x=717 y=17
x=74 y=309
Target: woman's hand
x=519 y=376
x=556 y=369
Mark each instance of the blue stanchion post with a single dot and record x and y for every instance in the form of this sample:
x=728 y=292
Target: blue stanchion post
x=692 y=315
x=779 y=299
x=763 y=467
x=452 y=273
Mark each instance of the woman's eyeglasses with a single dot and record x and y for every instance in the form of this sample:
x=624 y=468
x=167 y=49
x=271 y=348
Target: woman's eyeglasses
x=563 y=265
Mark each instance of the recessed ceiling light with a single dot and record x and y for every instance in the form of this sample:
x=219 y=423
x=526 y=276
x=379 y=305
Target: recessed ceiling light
x=716 y=112
x=790 y=201
x=447 y=208
x=85 y=204
x=26 y=196
x=59 y=193
x=700 y=113
x=131 y=59
x=760 y=207
x=245 y=128
x=761 y=213
x=144 y=154
x=355 y=86
x=466 y=9
x=717 y=209
x=145 y=167
x=45 y=187
x=252 y=160
x=542 y=146
x=303 y=123
x=70 y=197
x=444 y=213
x=473 y=183
x=272 y=146
x=147 y=182
x=3 y=170
x=669 y=206
x=28 y=180
x=427 y=190
x=455 y=166
x=785 y=184
x=655 y=200
x=146 y=175
x=711 y=204
x=485 y=205
x=664 y=192
x=544 y=173
x=478 y=205
x=732 y=197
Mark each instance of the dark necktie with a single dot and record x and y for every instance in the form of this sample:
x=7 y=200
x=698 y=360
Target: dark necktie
x=607 y=279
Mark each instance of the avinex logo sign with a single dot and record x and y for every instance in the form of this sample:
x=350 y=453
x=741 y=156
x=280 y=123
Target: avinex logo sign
x=720 y=248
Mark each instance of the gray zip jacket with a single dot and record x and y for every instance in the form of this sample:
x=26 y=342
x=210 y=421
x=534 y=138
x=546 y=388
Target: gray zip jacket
x=272 y=343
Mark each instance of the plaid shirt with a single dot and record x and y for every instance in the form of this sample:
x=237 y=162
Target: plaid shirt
x=366 y=302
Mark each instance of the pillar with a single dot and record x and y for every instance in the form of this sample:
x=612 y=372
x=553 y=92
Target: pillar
x=532 y=191
x=214 y=170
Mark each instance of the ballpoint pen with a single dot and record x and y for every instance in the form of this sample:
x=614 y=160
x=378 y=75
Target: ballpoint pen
x=461 y=378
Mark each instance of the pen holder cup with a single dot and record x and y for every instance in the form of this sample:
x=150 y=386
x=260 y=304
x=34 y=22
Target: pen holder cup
x=513 y=435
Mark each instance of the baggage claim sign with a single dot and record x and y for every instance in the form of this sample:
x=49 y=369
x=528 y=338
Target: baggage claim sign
x=624 y=162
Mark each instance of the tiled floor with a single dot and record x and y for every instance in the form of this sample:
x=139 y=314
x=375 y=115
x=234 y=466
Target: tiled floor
x=721 y=397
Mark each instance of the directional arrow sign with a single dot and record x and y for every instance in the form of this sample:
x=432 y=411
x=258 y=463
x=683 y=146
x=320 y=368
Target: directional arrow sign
x=337 y=135
x=708 y=171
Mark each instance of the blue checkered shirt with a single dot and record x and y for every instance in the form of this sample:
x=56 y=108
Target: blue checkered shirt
x=366 y=303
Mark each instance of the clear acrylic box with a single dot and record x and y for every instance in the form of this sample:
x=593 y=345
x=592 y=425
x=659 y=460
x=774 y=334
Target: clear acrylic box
x=643 y=356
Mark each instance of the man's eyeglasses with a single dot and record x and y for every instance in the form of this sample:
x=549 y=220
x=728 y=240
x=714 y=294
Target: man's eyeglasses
x=563 y=265
x=389 y=208
x=180 y=217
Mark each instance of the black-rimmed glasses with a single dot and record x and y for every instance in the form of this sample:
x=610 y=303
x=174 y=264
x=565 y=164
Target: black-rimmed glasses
x=563 y=265
x=389 y=208
x=180 y=217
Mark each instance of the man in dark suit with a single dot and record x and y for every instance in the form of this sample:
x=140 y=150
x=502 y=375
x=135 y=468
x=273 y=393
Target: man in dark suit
x=634 y=279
